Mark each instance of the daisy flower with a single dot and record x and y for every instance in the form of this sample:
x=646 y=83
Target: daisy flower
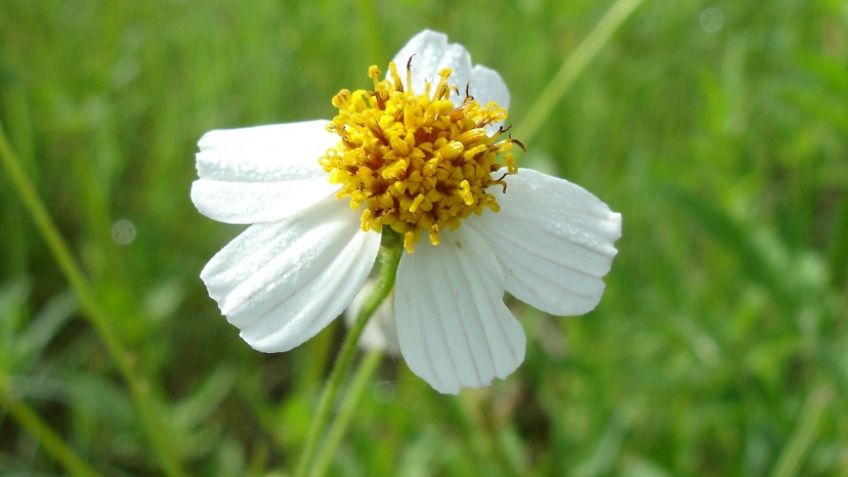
x=423 y=155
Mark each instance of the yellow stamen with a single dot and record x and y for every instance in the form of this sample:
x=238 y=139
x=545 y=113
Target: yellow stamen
x=451 y=150
x=409 y=241
x=465 y=193
x=394 y=171
x=395 y=76
x=415 y=203
x=434 y=235
x=416 y=162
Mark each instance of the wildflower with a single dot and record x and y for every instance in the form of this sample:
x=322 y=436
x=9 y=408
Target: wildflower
x=423 y=155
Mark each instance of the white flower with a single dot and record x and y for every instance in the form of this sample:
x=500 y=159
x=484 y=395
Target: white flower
x=431 y=165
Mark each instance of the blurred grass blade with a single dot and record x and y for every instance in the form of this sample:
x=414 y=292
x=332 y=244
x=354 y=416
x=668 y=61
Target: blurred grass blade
x=481 y=427
x=838 y=253
x=370 y=21
x=609 y=446
x=573 y=66
x=725 y=230
x=13 y=296
x=52 y=442
x=194 y=409
x=792 y=456
x=149 y=410
x=32 y=341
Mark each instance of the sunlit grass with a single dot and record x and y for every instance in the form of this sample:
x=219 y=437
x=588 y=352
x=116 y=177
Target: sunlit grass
x=718 y=130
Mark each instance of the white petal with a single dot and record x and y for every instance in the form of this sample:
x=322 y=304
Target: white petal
x=555 y=241
x=430 y=53
x=487 y=85
x=282 y=282
x=380 y=333
x=263 y=173
x=264 y=153
x=247 y=203
x=452 y=324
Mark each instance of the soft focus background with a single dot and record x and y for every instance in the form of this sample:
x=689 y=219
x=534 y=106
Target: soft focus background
x=719 y=129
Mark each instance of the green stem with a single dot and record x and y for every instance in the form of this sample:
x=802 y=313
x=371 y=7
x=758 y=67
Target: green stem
x=138 y=386
x=389 y=258
x=52 y=441
x=573 y=66
x=350 y=401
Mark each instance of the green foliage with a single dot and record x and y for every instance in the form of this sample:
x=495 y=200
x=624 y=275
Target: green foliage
x=718 y=129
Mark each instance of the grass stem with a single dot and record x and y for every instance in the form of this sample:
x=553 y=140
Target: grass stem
x=790 y=460
x=573 y=66
x=43 y=433
x=148 y=409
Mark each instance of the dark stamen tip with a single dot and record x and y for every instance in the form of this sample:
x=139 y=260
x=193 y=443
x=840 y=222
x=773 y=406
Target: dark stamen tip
x=520 y=144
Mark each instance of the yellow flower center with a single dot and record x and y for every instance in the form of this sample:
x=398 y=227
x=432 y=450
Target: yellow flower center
x=415 y=162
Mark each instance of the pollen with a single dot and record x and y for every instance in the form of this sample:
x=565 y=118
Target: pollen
x=414 y=161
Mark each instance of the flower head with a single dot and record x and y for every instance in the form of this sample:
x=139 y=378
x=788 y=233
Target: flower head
x=425 y=154
x=414 y=161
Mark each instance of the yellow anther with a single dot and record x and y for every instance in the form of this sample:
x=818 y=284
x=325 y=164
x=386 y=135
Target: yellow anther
x=409 y=241
x=492 y=203
x=399 y=145
x=395 y=76
x=510 y=164
x=472 y=136
x=373 y=72
x=415 y=203
x=470 y=153
x=341 y=99
x=356 y=199
x=465 y=193
x=365 y=220
x=395 y=170
x=431 y=166
x=366 y=175
x=338 y=176
x=434 y=235
x=442 y=91
x=399 y=187
x=358 y=101
x=409 y=73
x=451 y=150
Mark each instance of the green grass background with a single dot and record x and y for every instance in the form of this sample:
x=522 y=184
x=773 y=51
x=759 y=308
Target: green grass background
x=720 y=347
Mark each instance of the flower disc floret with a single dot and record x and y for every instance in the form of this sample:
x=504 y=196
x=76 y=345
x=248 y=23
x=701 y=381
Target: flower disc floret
x=416 y=162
